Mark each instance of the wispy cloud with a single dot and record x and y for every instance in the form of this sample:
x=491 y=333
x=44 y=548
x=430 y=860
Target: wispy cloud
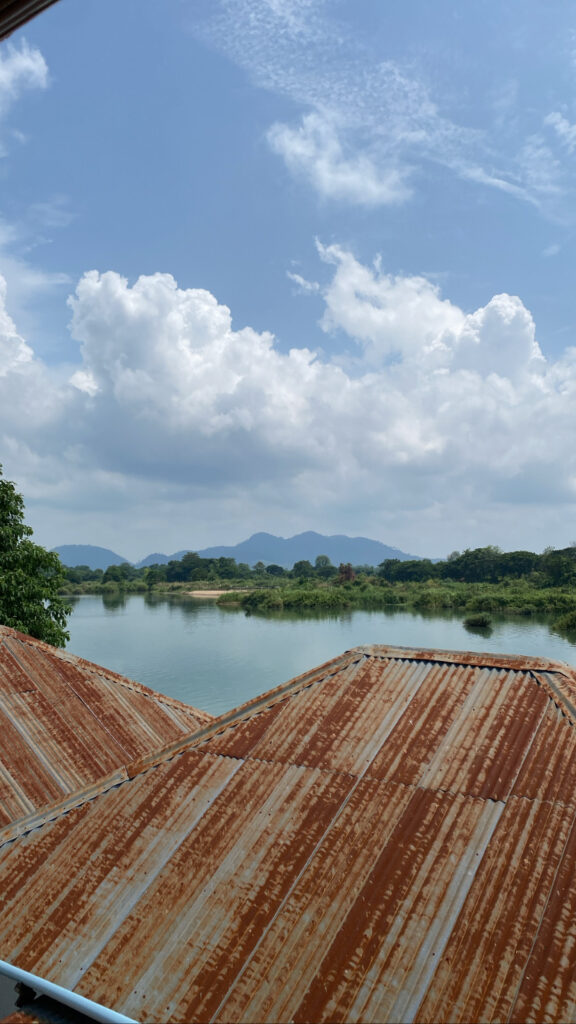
x=564 y=130
x=370 y=127
x=21 y=68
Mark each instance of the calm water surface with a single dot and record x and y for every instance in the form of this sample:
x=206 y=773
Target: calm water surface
x=216 y=658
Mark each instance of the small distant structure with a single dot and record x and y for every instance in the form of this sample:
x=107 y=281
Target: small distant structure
x=389 y=837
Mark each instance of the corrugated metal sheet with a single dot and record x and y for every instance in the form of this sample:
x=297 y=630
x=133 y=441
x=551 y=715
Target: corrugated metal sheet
x=65 y=723
x=388 y=838
x=15 y=13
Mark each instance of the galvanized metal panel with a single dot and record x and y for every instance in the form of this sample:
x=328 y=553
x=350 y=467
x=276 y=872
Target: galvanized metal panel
x=483 y=750
x=563 y=685
x=65 y=723
x=492 y=943
x=164 y=805
x=223 y=882
x=240 y=878
x=344 y=729
x=550 y=771
x=428 y=717
x=547 y=988
x=239 y=739
x=381 y=839
x=310 y=922
x=64 y=744
x=348 y=944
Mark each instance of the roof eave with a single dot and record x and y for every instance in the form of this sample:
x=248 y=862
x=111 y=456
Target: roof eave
x=15 y=13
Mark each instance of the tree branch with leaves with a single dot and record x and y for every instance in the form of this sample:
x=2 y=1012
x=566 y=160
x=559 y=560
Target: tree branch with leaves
x=30 y=576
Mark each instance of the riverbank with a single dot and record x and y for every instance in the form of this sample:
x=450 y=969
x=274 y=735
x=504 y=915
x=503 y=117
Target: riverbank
x=510 y=598
x=216 y=656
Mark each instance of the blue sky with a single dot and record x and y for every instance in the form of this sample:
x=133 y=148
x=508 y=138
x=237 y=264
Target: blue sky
x=290 y=264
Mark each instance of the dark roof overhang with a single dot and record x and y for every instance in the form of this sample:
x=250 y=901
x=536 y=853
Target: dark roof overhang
x=15 y=13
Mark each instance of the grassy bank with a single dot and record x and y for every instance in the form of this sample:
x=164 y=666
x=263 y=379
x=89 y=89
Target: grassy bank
x=141 y=587
x=516 y=598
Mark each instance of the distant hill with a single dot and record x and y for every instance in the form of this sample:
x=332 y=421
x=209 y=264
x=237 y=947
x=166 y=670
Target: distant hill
x=88 y=554
x=157 y=558
x=265 y=547
x=260 y=547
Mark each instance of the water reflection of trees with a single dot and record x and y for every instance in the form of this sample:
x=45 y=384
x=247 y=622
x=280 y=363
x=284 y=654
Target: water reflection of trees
x=485 y=631
x=187 y=606
x=114 y=600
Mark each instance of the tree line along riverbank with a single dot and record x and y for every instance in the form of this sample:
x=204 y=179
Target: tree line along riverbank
x=475 y=583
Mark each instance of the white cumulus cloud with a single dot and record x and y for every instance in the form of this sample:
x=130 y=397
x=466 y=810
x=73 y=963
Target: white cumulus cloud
x=314 y=151
x=441 y=413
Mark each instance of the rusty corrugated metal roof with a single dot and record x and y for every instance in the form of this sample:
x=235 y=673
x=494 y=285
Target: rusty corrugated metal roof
x=64 y=723
x=390 y=837
x=15 y=13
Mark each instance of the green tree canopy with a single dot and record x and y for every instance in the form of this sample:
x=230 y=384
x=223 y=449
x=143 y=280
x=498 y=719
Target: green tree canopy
x=30 y=576
x=303 y=569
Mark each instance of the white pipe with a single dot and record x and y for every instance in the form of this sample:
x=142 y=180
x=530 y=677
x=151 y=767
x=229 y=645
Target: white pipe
x=64 y=995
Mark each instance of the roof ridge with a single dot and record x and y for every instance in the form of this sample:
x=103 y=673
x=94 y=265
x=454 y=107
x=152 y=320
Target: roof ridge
x=480 y=659
x=6 y=632
x=137 y=767
x=556 y=693
x=279 y=693
x=50 y=812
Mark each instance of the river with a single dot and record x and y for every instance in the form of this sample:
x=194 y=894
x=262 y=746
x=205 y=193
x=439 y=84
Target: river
x=215 y=657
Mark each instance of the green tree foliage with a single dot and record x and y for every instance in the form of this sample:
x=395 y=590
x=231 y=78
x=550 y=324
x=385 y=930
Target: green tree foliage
x=275 y=570
x=397 y=571
x=324 y=568
x=346 y=573
x=154 y=574
x=487 y=565
x=30 y=576
x=303 y=569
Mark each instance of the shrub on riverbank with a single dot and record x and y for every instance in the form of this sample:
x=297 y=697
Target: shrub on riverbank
x=479 y=621
x=475 y=599
x=111 y=587
x=566 y=624
x=293 y=598
x=275 y=594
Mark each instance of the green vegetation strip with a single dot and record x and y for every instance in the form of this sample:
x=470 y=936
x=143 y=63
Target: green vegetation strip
x=475 y=583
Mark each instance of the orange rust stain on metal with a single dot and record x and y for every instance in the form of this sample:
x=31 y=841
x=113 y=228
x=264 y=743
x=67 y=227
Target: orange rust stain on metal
x=309 y=739
x=425 y=721
x=387 y=838
x=319 y=905
x=65 y=723
x=344 y=730
x=550 y=771
x=250 y=916
x=240 y=739
x=492 y=941
x=24 y=1017
x=370 y=921
x=235 y=868
x=66 y=873
x=547 y=988
x=497 y=726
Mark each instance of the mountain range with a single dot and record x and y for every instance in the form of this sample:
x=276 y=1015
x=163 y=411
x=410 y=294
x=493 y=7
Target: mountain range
x=260 y=547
